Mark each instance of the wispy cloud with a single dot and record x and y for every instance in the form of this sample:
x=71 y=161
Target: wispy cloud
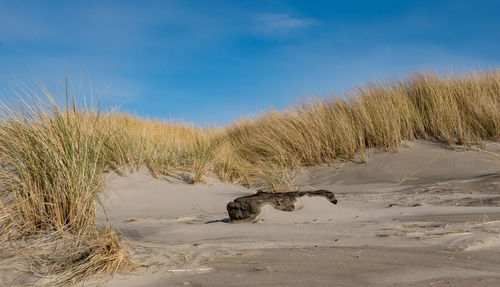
x=278 y=25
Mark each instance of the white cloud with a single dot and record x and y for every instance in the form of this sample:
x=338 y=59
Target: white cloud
x=275 y=24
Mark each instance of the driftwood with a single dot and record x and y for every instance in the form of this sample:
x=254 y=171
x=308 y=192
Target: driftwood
x=248 y=207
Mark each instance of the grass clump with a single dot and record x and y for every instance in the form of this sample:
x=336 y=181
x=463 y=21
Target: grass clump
x=52 y=165
x=164 y=148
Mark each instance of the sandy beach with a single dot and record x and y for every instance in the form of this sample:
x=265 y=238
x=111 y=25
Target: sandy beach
x=426 y=215
x=249 y=143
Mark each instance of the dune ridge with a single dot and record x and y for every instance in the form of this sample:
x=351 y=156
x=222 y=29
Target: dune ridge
x=54 y=154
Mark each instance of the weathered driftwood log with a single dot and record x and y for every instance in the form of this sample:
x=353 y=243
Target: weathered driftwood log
x=248 y=207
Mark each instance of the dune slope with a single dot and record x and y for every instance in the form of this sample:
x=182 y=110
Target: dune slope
x=424 y=215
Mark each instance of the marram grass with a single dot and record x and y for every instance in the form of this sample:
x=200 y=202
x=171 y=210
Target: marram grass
x=52 y=158
x=460 y=109
x=52 y=165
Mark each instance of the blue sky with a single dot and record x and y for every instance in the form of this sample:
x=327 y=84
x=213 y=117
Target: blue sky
x=211 y=62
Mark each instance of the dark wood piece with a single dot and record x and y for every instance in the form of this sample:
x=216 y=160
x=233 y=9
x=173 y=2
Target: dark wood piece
x=248 y=207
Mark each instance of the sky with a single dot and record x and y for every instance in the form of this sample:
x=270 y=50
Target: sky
x=213 y=62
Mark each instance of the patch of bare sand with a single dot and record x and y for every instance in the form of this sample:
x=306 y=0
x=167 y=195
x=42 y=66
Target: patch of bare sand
x=442 y=227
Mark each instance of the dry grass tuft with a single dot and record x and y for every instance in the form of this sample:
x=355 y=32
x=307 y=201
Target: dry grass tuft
x=62 y=258
x=52 y=164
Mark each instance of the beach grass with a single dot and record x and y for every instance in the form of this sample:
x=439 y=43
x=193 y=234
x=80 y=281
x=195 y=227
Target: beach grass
x=53 y=160
x=53 y=157
x=460 y=109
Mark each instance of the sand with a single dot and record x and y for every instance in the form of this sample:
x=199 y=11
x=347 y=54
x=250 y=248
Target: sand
x=423 y=216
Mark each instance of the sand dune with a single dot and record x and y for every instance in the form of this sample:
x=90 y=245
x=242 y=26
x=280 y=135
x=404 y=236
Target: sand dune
x=424 y=215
